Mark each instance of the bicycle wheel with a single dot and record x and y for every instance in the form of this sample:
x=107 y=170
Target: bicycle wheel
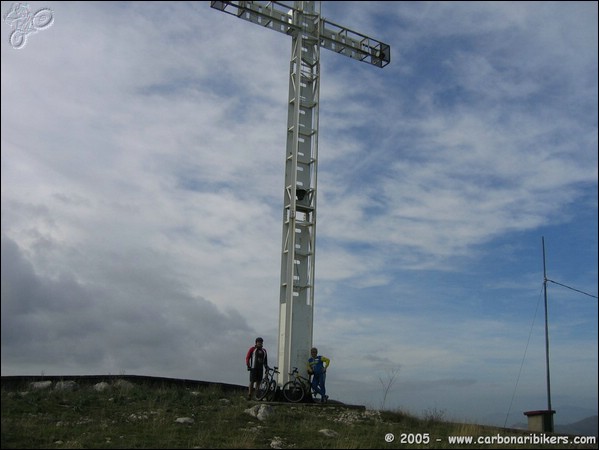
x=272 y=390
x=293 y=391
x=263 y=388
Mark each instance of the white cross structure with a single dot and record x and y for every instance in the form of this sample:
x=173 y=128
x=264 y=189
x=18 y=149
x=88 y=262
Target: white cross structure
x=309 y=32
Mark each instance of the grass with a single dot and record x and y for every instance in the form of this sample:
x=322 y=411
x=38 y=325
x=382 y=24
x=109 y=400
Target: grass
x=142 y=415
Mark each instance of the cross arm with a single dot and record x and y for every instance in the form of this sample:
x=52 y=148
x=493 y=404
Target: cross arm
x=279 y=17
x=355 y=45
x=274 y=15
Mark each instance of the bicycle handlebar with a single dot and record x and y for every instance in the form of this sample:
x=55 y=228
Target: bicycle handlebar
x=295 y=373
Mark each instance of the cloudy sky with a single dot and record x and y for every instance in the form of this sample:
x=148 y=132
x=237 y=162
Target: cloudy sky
x=142 y=194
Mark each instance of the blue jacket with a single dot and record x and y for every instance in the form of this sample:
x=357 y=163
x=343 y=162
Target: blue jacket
x=318 y=365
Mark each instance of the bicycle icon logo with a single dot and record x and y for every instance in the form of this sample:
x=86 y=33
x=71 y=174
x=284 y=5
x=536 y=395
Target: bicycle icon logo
x=25 y=23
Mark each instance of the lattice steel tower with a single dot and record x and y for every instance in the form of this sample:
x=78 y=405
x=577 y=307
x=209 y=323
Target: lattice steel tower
x=309 y=32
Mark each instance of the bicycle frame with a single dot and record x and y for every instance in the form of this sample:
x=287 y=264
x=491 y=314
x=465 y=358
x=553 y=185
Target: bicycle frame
x=305 y=381
x=296 y=389
x=268 y=386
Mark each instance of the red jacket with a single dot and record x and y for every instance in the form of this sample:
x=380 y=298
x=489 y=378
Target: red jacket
x=253 y=360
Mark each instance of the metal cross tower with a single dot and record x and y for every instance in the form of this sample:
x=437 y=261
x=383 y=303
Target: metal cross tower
x=309 y=32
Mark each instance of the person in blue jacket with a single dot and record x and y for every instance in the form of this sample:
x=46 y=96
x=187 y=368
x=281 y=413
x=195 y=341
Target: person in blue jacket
x=317 y=367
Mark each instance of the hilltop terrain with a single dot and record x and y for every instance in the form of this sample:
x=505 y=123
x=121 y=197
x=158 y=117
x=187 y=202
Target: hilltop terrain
x=138 y=412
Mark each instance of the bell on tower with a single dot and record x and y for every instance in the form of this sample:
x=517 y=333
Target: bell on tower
x=303 y=199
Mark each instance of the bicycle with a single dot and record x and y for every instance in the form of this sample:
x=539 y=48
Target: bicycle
x=268 y=386
x=295 y=390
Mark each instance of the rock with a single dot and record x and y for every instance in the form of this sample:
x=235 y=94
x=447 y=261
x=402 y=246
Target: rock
x=328 y=433
x=66 y=386
x=184 y=420
x=36 y=385
x=260 y=412
x=101 y=387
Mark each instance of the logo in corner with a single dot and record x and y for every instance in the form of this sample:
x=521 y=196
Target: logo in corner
x=24 y=23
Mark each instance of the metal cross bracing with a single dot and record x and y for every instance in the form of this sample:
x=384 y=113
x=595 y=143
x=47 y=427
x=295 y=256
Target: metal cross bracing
x=309 y=32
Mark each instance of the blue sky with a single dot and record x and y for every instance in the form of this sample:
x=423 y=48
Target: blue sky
x=142 y=186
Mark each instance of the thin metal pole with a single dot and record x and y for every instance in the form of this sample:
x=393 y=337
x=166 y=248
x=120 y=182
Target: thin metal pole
x=549 y=410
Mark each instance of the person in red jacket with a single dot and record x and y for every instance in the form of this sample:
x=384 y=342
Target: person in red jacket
x=256 y=361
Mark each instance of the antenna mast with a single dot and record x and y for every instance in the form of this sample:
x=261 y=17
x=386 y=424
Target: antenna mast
x=549 y=410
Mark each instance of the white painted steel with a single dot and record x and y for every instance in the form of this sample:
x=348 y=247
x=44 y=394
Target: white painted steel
x=309 y=32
